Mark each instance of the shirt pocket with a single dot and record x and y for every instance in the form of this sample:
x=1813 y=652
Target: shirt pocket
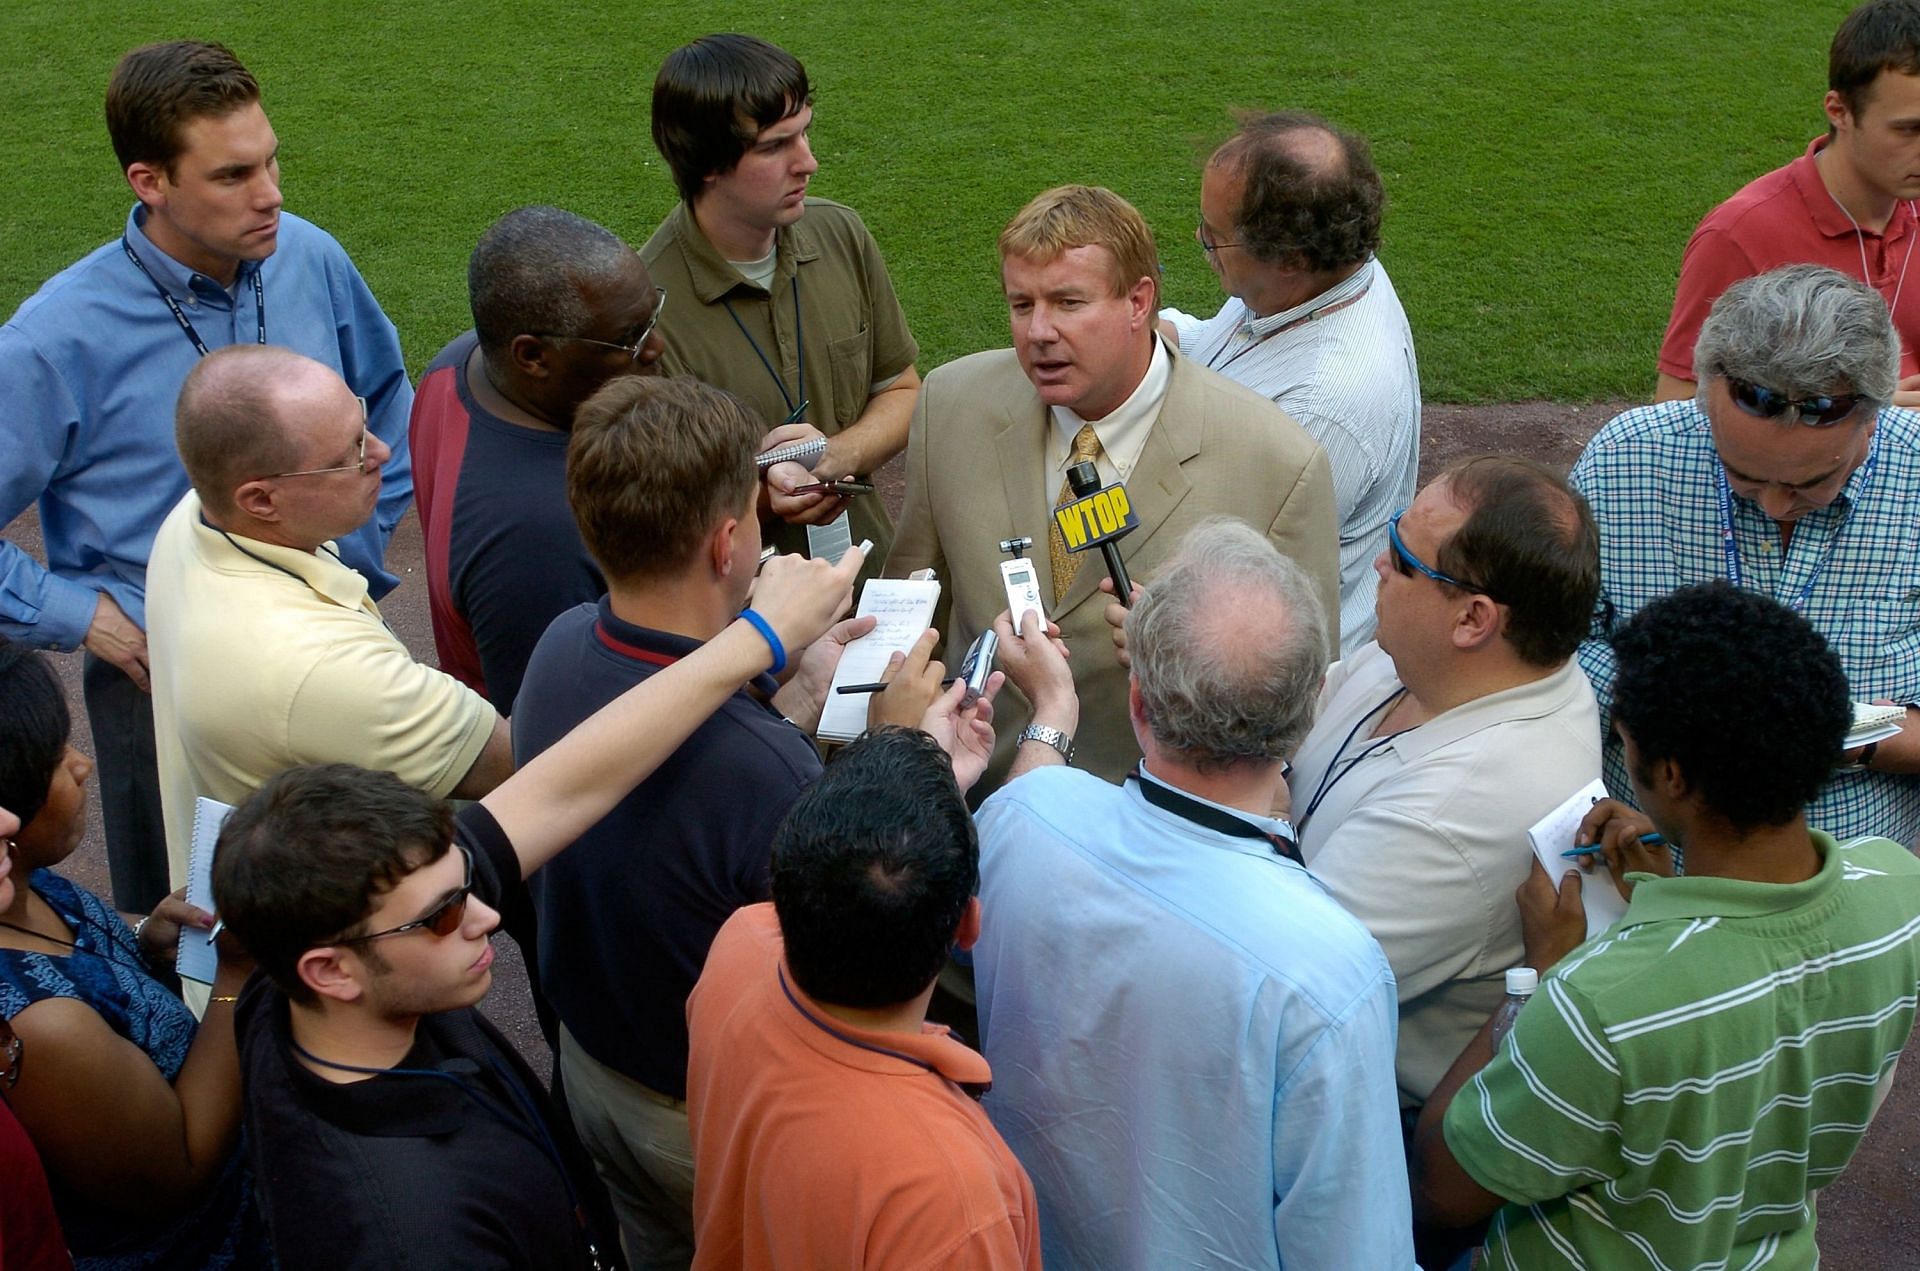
x=851 y=360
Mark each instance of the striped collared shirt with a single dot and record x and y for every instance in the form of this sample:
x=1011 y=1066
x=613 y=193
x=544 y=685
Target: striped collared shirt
x=1652 y=478
x=1682 y=1083
x=1342 y=365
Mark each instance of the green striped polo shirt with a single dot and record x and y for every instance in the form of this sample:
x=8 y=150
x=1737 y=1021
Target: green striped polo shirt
x=1681 y=1084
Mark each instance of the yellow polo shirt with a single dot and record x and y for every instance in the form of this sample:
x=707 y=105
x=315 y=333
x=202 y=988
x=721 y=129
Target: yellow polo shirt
x=265 y=658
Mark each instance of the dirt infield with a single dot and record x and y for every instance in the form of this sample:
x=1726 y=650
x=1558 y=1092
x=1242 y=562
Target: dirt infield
x=1866 y=1217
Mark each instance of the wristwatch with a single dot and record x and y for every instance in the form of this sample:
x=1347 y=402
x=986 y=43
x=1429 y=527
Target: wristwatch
x=1048 y=735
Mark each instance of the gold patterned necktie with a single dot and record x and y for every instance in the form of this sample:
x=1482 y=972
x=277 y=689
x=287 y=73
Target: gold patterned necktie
x=1086 y=448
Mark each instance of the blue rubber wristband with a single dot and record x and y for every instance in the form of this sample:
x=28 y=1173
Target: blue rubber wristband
x=765 y=629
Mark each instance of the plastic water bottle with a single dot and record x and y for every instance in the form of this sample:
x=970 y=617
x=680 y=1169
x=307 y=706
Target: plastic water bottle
x=1521 y=982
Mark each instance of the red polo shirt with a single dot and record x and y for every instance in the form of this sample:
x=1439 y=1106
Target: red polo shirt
x=1787 y=217
x=817 y=1144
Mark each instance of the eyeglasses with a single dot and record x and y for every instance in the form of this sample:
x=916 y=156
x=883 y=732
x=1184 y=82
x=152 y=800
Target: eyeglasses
x=631 y=350
x=444 y=920
x=1770 y=403
x=1200 y=236
x=358 y=465
x=1408 y=564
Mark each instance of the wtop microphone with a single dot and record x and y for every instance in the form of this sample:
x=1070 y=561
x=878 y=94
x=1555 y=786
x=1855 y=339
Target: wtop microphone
x=1098 y=516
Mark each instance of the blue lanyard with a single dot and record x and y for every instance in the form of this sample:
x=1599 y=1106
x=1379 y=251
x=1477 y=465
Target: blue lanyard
x=199 y=345
x=800 y=349
x=1731 y=548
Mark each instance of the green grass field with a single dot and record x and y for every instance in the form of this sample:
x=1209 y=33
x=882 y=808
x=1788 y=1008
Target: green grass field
x=1544 y=161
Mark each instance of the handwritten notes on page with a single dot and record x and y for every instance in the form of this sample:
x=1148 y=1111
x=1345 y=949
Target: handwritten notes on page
x=1553 y=834
x=903 y=610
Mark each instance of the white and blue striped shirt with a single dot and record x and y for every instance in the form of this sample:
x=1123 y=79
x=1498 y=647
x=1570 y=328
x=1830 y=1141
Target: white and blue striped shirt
x=1342 y=365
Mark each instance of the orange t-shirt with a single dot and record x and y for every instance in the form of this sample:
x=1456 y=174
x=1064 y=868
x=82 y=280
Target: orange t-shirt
x=816 y=1144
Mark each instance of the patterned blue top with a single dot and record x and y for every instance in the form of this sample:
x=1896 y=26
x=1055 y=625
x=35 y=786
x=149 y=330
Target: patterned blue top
x=108 y=974
x=1651 y=476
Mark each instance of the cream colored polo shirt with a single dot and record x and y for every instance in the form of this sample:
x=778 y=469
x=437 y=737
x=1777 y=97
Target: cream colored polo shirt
x=265 y=658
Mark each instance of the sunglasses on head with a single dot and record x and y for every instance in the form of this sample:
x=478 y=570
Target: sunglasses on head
x=1770 y=403
x=443 y=920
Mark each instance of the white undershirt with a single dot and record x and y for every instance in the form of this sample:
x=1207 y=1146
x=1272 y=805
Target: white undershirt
x=1123 y=432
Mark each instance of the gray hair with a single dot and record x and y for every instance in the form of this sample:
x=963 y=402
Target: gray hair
x=1804 y=330
x=1229 y=648
x=525 y=273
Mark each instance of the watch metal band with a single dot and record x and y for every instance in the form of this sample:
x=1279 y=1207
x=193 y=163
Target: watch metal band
x=1048 y=735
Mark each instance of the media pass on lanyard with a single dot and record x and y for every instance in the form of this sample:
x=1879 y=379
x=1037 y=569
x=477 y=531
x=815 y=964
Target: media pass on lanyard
x=830 y=541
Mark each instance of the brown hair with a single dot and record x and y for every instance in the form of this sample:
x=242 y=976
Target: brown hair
x=653 y=465
x=1883 y=35
x=1071 y=216
x=158 y=89
x=1529 y=541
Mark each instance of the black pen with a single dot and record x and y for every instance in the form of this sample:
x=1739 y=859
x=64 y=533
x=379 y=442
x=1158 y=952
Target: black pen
x=880 y=688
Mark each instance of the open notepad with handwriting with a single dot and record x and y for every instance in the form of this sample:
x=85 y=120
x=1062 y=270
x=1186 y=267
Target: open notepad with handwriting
x=903 y=610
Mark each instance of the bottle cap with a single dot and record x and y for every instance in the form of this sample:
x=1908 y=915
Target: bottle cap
x=1522 y=981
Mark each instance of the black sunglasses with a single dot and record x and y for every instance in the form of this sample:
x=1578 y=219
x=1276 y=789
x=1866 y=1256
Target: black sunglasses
x=444 y=920
x=1770 y=403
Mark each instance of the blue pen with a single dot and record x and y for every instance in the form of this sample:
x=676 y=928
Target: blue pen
x=1647 y=840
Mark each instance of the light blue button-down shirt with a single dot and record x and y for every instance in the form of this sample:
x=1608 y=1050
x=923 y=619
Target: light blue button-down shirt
x=1192 y=1043
x=91 y=366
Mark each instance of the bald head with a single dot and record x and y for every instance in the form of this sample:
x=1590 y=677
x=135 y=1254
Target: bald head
x=238 y=417
x=1229 y=647
x=1311 y=198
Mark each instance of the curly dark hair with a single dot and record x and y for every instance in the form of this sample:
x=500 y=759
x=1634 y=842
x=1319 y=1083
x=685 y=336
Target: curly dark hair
x=872 y=871
x=1739 y=691
x=34 y=726
x=1304 y=208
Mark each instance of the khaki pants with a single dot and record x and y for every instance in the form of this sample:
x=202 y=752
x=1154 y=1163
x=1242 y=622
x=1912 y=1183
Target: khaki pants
x=639 y=1143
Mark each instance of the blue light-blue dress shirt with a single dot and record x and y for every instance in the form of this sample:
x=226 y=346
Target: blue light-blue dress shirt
x=92 y=364
x=1192 y=1043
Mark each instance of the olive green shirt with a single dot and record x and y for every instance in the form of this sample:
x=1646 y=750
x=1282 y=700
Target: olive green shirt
x=829 y=324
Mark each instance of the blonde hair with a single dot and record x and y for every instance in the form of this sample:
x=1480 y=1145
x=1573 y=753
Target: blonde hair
x=1071 y=216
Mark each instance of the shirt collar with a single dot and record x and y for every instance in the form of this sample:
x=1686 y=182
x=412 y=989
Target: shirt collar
x=1535 y=699
x=180 y=282
x=633 y=643
x=321 y=569
x=1123 y=432
x=934 y=1050
x=1344 y=292
x=714 y=275
x=388 y=1106
x=1265 y=824
x=1659 y=899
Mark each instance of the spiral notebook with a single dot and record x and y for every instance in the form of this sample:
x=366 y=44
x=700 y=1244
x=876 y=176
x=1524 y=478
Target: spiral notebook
x=197 y=959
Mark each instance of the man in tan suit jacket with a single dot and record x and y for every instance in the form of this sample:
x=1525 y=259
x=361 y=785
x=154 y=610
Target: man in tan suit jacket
x=994 y=433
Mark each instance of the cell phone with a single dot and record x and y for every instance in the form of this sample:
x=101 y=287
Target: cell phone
x=1023 y=591
x=978 y=665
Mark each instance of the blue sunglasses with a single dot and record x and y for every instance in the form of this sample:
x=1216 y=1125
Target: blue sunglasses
x=1409 y=563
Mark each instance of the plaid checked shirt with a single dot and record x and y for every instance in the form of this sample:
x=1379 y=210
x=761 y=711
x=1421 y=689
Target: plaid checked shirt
x=1650 y=478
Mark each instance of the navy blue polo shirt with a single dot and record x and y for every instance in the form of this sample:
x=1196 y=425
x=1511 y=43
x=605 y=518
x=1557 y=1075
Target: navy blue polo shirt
x=628 y=912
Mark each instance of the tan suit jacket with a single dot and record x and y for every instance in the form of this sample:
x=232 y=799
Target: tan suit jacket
x=977 y=473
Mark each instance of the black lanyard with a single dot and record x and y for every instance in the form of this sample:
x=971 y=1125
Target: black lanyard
x=1208 y=817
x=199 y=345
x=800 y=345
x=1329 y=779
